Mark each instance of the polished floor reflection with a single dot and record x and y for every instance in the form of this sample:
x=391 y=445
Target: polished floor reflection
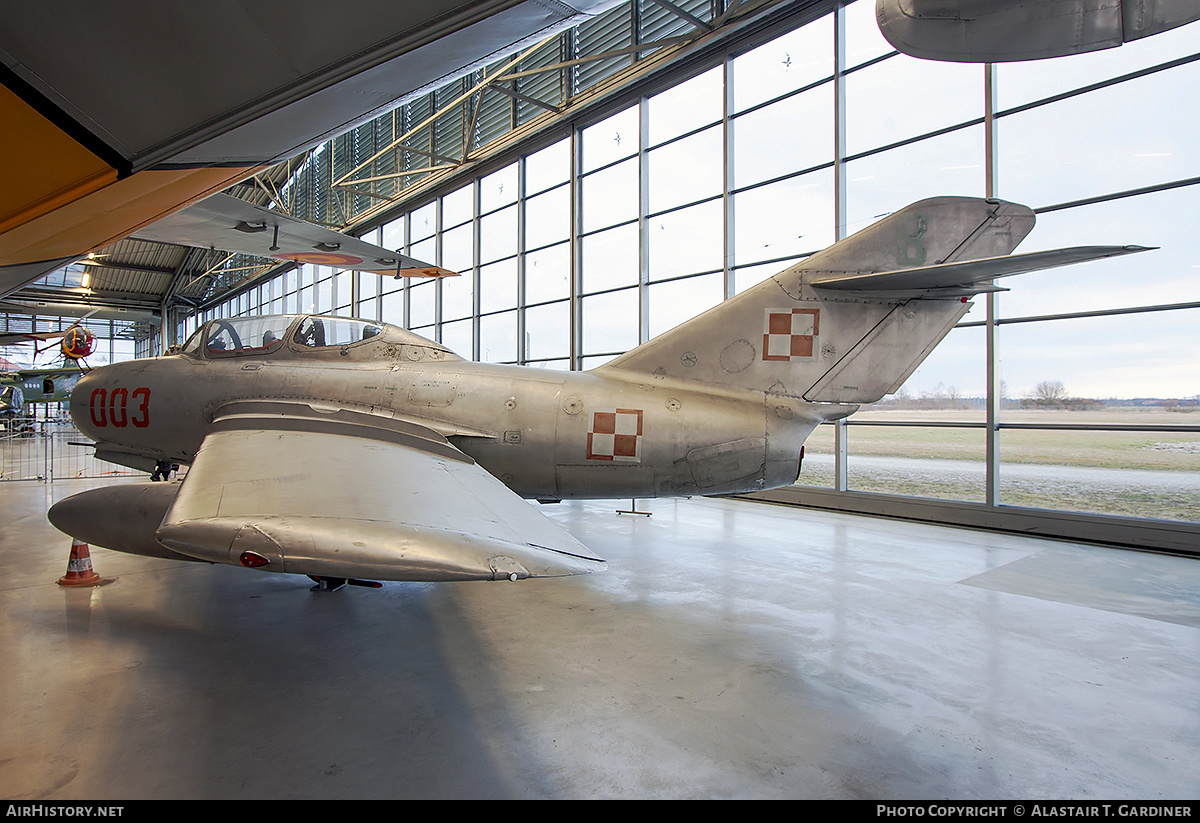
x=732 y=649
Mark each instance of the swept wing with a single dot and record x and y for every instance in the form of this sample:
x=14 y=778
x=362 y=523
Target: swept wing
x=285 y=487
x=231 y=224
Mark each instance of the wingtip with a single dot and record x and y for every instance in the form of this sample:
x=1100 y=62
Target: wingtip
x=426 y=271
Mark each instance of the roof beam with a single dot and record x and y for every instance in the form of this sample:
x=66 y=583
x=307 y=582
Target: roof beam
x=524 y=97
x=102 y=264
x=682 y=14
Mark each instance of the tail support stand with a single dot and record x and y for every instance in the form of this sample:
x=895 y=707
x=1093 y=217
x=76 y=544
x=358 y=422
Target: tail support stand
x=633 y=509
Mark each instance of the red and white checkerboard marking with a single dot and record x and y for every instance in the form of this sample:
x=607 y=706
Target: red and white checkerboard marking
x=615 y=434
x=790 y=334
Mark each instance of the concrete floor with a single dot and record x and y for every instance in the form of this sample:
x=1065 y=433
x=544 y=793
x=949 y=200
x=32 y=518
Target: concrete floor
x=732 y=650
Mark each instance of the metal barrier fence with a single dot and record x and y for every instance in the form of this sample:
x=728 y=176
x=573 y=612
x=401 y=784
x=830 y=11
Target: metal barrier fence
x=47 y=448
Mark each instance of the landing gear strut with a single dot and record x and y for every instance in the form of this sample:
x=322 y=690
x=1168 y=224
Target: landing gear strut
x=332 y=584
x=163 y=469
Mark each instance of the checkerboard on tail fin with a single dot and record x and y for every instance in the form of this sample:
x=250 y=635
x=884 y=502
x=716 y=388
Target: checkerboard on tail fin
x=851 y=323
x=788 y=334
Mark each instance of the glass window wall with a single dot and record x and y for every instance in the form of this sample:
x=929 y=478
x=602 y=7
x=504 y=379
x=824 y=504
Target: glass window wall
x=1093 y=367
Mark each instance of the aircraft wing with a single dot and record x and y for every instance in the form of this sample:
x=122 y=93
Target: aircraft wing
x=286 y=487
x=997 y=31
x=231 y=224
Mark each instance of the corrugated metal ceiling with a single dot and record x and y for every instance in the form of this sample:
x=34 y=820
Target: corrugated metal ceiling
x=155 y=272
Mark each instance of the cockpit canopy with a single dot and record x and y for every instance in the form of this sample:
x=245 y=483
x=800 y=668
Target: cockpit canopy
x=334 y=331
x=239 y=336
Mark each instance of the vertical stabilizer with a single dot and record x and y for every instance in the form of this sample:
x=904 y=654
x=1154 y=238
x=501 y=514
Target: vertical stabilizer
x=790 y=337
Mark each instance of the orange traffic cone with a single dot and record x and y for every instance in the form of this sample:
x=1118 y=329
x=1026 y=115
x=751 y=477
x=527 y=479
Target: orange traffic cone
x=79 y=567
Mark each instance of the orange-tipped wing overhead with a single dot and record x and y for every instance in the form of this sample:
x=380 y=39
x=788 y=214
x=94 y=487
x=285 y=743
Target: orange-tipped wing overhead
x=229 y=224
x=171 y=106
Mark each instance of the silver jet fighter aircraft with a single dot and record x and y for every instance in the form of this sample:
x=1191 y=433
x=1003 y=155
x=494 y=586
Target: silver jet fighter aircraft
x=342 y=448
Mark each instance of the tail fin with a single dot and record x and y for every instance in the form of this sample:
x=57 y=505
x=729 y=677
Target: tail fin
x=851 y=323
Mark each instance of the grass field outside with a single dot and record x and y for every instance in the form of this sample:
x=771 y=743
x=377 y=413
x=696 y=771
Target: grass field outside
x=1133 y=473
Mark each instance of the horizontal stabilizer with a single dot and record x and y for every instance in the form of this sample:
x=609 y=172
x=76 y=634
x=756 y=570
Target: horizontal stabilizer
x=849 y=324
x=966 y=277
x=230 y=224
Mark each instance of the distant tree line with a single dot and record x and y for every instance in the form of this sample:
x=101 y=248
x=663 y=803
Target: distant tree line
x=1047 y=394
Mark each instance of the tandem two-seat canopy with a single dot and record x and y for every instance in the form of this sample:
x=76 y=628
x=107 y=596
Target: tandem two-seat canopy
x=266 y=335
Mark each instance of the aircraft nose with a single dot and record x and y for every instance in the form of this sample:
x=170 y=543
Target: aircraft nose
x=91 y=405
x=78 y=405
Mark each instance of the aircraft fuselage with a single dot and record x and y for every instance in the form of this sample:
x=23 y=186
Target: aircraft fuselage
x=543 y=433
x=339 y=447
